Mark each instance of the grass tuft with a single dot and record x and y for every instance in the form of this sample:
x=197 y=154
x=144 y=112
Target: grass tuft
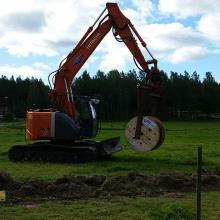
x=171 y=211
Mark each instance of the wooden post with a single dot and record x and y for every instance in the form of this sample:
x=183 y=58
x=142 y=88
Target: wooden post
x=198 y=183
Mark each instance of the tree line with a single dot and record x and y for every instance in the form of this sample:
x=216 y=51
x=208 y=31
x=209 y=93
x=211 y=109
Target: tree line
x=184 y=94
x=19 y=95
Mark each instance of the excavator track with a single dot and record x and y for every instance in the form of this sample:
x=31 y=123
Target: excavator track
x=77 y=152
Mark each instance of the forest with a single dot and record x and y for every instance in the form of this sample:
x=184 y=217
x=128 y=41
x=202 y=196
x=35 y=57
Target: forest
x=184 y=95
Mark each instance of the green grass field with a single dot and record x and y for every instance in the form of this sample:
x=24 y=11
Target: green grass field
x=117 y=208
x=177 y=154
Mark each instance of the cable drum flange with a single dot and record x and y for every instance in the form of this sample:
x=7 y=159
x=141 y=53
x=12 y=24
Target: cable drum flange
x=152 y=134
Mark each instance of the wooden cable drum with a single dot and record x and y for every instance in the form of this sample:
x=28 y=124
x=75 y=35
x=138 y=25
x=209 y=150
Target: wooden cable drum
x=152 y=134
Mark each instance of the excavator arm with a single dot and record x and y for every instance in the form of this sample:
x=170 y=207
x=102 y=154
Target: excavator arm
x=122 y=29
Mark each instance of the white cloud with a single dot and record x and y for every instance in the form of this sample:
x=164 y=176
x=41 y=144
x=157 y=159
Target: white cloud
x=40 y=65
x=206 y=29
x=22 y=44
x=175 y=41
x=142 y=9
x=37 y=70
x=169 y=40
x=143 y=6
x=92 y=59
x=32 y=21
x=49 y=28
x=61 y=24
x=44 y=27
x=209 y=25
x=166 y=37
x=24 y=71
x=186 y=8
x=89 y=62
x=115 y=55
x=187 y=54
x=164 y=40
x=208 y=12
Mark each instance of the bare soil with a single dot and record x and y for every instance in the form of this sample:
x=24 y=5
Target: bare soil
x=85 y=187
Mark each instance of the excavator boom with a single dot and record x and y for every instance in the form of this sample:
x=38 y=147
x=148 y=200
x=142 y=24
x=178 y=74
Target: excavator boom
x=122 y=30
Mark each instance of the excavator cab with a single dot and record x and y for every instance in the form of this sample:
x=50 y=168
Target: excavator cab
x=87 y=117
x=57 y=125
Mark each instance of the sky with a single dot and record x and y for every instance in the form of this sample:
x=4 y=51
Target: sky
x=35 y=35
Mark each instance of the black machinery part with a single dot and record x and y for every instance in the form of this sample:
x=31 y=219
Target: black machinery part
x=77 y=152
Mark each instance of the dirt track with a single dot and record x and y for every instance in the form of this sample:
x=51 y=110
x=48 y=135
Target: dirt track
x=85 y=187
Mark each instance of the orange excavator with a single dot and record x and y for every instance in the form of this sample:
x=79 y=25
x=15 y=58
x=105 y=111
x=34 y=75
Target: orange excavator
x=64 y=131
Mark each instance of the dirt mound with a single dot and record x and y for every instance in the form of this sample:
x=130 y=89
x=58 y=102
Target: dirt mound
x=84 y=187
x=8 y=183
